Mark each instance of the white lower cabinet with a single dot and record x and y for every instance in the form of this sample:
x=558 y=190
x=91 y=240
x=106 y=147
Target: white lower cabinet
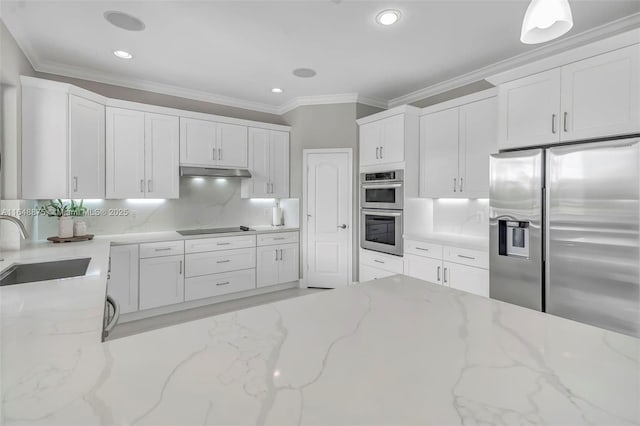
x=277 y=264
x=369 y=273
x=218 y=284
x=161 y=281
x=123 y=277
x=462 y=269
x=374 y=265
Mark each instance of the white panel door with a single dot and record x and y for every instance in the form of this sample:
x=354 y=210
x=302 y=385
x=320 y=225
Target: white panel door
x=328 y=197
x=601 y=95
x=267 y=266
x=86 y=148
x=232 y=147
x=259 y=158
x=162 y=170
x=288 y=263
x=392 y=147
x=197 y=142
x=370 y=143
x=161 y=281
x=423 y=268
x=123 y=277
x=529 y=110
x=439 y=154
x=467 y=278
x=279 y=164
x=125 y=153
x=478 y=139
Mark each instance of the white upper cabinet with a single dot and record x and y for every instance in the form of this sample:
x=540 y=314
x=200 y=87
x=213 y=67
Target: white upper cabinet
x=207 y=143
x=268 y=164
x=62 y=141
x=601 y=95
x=142 y=154
x=382 y=141
x=370 y=143
x=455 y=145
x=590 y=98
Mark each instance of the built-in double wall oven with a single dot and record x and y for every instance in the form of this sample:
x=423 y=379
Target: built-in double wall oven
x=381 y=202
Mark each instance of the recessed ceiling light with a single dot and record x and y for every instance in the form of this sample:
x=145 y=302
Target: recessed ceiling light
x=277 y=90
x=388 y=17
x=124 y=21
x=304 y=72
x=122 y=54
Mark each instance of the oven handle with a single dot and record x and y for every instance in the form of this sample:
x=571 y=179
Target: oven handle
x=380 y=213
x=381 y=185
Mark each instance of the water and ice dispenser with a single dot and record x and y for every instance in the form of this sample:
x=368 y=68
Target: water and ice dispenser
x=513 y=238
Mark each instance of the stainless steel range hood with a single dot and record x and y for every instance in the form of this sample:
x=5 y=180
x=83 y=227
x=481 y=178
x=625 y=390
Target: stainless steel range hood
x=214 y=172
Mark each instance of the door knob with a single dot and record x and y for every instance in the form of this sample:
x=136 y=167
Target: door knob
x=343 y=226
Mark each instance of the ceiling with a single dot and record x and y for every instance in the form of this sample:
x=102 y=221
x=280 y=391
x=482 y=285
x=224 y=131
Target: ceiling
x=236 y=51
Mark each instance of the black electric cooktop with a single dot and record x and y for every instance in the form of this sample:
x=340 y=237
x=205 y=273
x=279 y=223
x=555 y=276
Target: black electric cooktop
x=214 y=230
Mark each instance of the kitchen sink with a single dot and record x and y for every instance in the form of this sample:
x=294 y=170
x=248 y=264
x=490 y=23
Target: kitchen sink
x=44 y=271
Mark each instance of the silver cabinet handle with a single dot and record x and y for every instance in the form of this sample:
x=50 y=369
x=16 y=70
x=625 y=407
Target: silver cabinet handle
x=421 y=248
x=75 y=184
x=276 y=250
x=278 y=238
x=445 y=275
x=377 y=155
x=219 y=153
x=281 y=253
x=466 y=257
x=163 y=249
x=378 y=261
x=149 y=187
x=343 y=226
x=114 y=320
x=180 y=273
x=223 y=244
x=381 y=156
x=439 y=273
x=565 y=122
x=553 y=124
x=142 y=185
x=460 y=184
x=224 y=261
x=213 y=153
x=224 y=283
x=455 y=181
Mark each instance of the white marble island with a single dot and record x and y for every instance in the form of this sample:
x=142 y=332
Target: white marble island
x=394 y=351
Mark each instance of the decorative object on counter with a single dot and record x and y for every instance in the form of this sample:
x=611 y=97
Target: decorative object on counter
x=277 y=218
x=60 y=209
x=85 y=237
x=77 y=209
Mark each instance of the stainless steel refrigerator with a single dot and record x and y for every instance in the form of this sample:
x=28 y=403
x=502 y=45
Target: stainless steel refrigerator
x=564 y=232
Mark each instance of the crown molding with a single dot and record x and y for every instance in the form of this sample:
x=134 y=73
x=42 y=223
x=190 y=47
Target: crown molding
x=344 y=98
x=603 y=31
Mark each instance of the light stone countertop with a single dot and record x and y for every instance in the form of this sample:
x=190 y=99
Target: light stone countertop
x=453 y=240
x=396 y=351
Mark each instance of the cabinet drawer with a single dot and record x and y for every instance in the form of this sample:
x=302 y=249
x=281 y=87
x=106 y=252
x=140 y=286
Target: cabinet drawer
x=381 y=261
x=167 y=248
x=219 y=261
x=369 y=273
x=477 y=258
x=419 y=248
x=199 y=245
x=219 y=284
x=277 y=238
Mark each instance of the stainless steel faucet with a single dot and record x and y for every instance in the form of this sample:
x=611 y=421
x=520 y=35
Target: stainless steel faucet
x=23 y=231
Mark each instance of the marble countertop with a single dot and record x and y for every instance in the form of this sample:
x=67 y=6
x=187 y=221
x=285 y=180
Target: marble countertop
x=393 y=351
x=461 y=241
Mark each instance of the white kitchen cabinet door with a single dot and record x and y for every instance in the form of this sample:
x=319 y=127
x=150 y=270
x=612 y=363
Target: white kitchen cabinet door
x=529 y=110
x=125 y=158
x=392 y=147
x=123 y=277
x=439 y=154
x=369 y=273
x=162 y=170
x=466 y=278
x=259 y=160
x=423 y=268
x=267 y=266
x=288 y=263
x=370 y=143
x=161 y=281
x=86 y=148
x=279 y=164
x=601 y=95
x=197 y=142
x=477 y=140
x=231 y=146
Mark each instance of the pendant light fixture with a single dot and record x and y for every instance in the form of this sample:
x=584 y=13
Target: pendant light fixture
x=546 y=20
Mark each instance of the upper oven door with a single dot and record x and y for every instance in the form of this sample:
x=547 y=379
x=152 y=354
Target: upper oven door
x=381 y=230
x=387 y=195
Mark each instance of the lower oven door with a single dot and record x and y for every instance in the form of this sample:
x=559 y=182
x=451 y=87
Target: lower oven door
x=381 y=230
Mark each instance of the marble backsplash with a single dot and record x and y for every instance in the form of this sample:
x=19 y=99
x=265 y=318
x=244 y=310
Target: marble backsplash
x=468 y=217
x=203 y=203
